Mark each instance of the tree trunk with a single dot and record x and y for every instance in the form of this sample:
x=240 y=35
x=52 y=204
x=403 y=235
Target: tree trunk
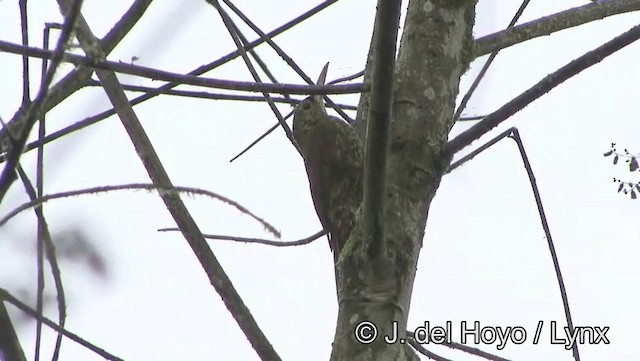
x=435 y=50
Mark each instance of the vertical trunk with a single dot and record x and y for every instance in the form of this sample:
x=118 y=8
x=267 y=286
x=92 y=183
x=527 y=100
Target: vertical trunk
x=435 y=51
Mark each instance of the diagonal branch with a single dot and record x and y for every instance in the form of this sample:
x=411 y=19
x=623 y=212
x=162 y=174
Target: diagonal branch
x=216 y=274
x=553 y=23
x=77 y=78
x=233 y=31
x=487 y=64
x=156 y=74
x=70 y=83
x=33 y=111
x=542 y=87
x=285 y=57
x=6 y=296
x=515 y=135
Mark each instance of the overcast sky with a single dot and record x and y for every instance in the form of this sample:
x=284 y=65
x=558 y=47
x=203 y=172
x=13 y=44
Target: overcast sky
x=485 y=257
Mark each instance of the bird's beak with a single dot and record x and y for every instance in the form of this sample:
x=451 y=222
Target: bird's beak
x=323 y=75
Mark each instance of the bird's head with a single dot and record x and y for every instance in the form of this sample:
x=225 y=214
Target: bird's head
x=311 y=110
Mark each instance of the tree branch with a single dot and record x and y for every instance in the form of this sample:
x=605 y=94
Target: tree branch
x=138 y=186
x=553 y=23
x=542 y=87
x=156 y=74
x=377 y=141
x=33 y=111
x=6 y=296
x=216 y=274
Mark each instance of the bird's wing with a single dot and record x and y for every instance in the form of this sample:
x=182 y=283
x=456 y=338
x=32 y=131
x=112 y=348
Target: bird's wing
x=318 y=173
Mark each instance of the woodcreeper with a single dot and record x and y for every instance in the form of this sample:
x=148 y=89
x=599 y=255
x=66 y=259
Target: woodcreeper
x=333 y=158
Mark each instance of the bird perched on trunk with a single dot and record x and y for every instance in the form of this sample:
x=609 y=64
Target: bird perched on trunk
x=332 y=155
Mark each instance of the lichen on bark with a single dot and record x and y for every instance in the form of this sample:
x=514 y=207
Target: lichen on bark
x=434 y=52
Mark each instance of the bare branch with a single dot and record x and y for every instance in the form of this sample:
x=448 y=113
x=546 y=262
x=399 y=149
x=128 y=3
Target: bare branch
x=542 y=87
x=261 y=137
x=77 y=78
x=286 y=58
x=487 y=64
x=265 y=242
x=71 y=83
x=377 y=141
x=139 y=186
x=155 y=74
x=515 y=135
x=9 y=342
x=233 y=31
x=216 y=274
x=44 y=238
x=550 y=24
x=6 y=296
x=422 y=350
x=208 y=95
x=26 y=97
x=547 y=232
x=33 y=111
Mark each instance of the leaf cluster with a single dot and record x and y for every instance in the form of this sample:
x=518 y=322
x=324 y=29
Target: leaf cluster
x=626 y=187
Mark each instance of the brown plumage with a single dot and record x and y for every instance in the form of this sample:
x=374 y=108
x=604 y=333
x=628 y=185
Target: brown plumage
x=332 y=155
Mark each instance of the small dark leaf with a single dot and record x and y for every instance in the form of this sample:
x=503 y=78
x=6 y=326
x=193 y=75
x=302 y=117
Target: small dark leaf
x=620 y=187
x=608 y=153
x=633 y=165
x=633 y=194
x=638 y=187
x=615 y=159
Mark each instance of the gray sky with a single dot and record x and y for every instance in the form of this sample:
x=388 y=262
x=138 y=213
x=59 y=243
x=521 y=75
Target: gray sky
x=484 y=257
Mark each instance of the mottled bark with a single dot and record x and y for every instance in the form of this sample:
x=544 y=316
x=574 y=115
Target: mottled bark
x=435 y=51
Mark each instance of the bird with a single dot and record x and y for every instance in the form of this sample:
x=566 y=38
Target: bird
x=333 y=159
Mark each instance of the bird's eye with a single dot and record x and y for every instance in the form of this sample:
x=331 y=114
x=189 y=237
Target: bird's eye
x=306 y=105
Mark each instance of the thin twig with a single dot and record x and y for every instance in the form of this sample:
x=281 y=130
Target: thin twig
x=6 y=296
x=553 y=23
x=257 y=140
x=233 y=32
x=422 y=350
x=208 y=95
x=542 y=87
x=139 y=186
x=262 y=241
x=347 y=78
x=156 y=74
x=45 y=239
x=26 y=97
x=285 y=57
x=515 y=135
x=477 y=151
x=487 y=64
x=547 y=232
x=76 y=79
x=33 y=111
